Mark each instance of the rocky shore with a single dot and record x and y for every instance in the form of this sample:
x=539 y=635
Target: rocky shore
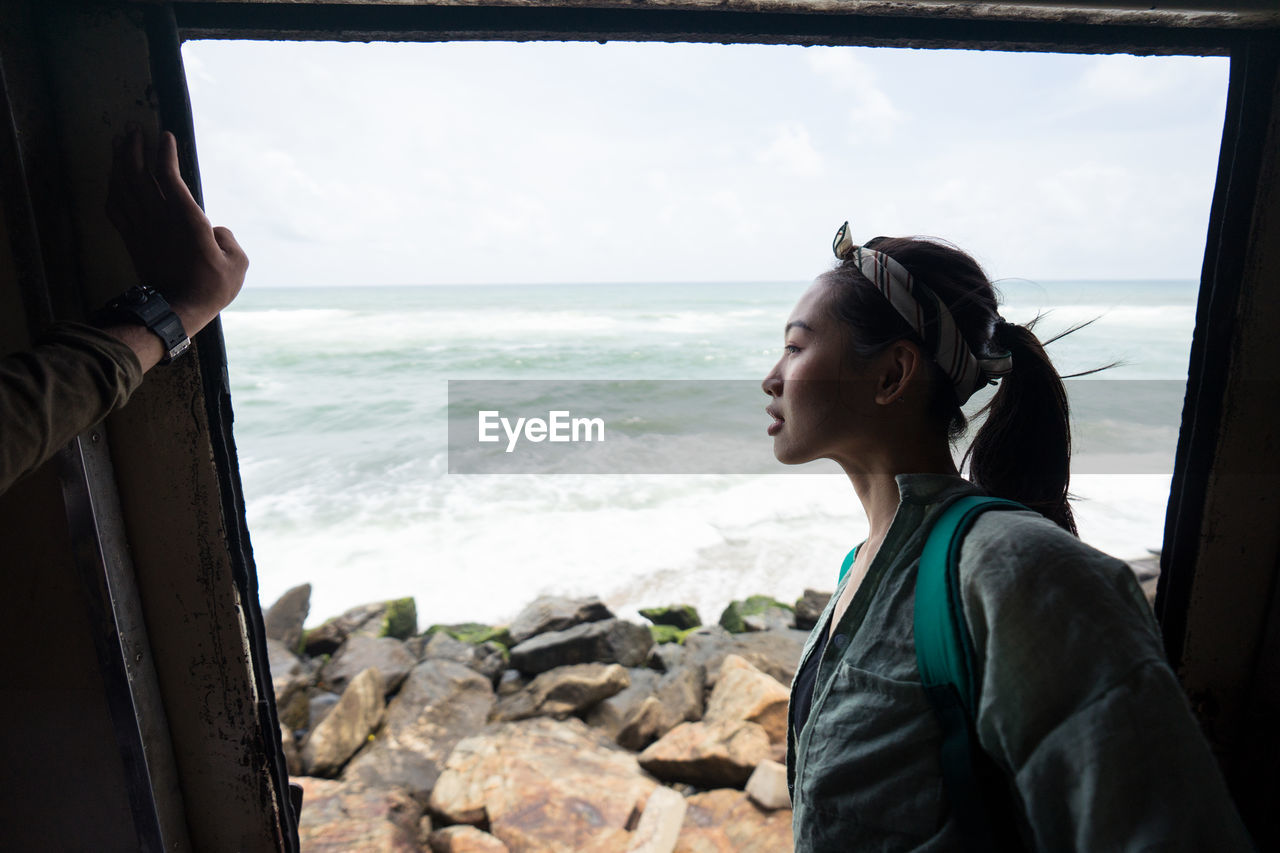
x=567 y=730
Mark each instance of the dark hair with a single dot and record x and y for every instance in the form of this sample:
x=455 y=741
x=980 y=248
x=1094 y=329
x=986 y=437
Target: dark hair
x=1023 y=449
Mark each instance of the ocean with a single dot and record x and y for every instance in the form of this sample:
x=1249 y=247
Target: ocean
x=341 y=419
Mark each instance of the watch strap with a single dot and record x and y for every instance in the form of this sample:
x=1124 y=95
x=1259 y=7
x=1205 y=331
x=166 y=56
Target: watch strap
x=145 y=306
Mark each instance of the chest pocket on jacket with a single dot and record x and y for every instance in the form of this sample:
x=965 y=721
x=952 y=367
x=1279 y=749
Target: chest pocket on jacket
x=871 y=756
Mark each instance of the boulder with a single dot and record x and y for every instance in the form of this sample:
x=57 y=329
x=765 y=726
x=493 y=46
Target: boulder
x=485 y=658
x=710 y=755
x=607 y=641
x=284 y=620
x=665 y=657
x=776 y=653
x=773 y=619
x=365 y=619
x=646 y=723
x=439 y=704
x=681 y=692
x=319 y=705
x=743 y=692
x=289 y=746
x=400 y=621
x=284 y=664
x=809 y=608
x=475 y=633
x=290 y=681
x=339 y=818
x=511 y=681
x=756 y=613
x=660 y=825
x=767 y=786
x=563 y=691
x=678 y=698
x=609 y=714
x=464 y=839
x=544 y=785
x=553 y=613
x=681 y=616
x=361 y=652
x=346 y=728
x=728 y=822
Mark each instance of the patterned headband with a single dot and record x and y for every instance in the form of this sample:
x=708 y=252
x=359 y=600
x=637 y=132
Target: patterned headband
x=925 y=313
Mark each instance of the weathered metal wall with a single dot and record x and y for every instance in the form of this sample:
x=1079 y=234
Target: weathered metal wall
x=1218 y=606
x=62 y=767
x=142 y=723
x=1171 y=13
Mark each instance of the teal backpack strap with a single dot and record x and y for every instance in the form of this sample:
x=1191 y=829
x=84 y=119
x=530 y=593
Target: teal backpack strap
x=948 y=667
x=847 y=564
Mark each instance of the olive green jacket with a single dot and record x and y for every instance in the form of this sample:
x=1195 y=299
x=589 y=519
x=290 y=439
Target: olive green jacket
x=71 y=380
x=1078 y=705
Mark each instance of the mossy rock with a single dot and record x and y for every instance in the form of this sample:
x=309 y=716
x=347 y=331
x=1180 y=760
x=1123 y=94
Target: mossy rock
x=670 y=633
x=476 y=633
x=401 y=619
x=682 y=616
x=756 y=605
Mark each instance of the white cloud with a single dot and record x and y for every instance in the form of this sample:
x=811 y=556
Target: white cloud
x=872 y=114
x=1119 y=77
x=646 y=162
x=792 y=153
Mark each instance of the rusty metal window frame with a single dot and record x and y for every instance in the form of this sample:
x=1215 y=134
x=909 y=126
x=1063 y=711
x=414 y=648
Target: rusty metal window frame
x=1253 y=50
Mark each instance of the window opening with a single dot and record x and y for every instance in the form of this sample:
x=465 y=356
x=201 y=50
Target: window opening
x=420 y=213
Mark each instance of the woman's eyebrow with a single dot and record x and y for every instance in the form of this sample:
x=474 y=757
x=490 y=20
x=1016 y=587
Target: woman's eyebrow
x=798 y=324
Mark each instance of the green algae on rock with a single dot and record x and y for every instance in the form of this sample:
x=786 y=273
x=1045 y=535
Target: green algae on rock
x=476 y=633
x=682 y=616
x=663 y=633
x=734 y=616
x=401 y=619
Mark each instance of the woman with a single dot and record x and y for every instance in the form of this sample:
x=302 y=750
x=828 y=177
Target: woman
x=1093 y=741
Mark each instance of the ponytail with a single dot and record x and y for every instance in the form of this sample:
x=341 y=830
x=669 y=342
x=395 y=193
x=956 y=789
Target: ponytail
x=1023 y=450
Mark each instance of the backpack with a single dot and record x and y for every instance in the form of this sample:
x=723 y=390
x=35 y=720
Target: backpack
x=981 y=800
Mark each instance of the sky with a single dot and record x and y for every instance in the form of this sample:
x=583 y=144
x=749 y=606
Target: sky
x=490 y=162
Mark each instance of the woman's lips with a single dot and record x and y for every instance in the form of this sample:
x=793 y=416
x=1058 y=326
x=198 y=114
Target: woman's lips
x=776 y=426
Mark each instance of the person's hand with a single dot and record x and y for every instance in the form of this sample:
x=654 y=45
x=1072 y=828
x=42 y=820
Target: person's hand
x=198 y=268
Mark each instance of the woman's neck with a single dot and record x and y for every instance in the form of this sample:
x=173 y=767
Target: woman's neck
x=877 y=486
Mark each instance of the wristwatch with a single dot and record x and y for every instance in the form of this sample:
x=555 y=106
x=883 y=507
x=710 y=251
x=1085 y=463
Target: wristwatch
x=146 y=307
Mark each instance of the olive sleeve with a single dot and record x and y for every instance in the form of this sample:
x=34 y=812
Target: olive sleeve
x=69 y=381
x=1078 y=703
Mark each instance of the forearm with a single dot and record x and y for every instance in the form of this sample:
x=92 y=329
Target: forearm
x=69 y=382
x=147 y=346
x=144 y=343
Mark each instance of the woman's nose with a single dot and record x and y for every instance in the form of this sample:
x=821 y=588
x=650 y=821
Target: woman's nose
x=772 y=384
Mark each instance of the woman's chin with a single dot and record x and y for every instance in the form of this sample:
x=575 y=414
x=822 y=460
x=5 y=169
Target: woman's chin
x=789 y=455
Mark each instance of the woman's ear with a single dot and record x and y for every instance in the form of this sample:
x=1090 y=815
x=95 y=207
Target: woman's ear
x=901 y=371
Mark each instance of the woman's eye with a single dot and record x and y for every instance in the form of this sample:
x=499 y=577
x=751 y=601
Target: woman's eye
x=791 y=348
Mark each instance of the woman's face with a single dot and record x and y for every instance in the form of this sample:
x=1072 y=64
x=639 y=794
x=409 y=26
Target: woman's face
x=819 y=397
